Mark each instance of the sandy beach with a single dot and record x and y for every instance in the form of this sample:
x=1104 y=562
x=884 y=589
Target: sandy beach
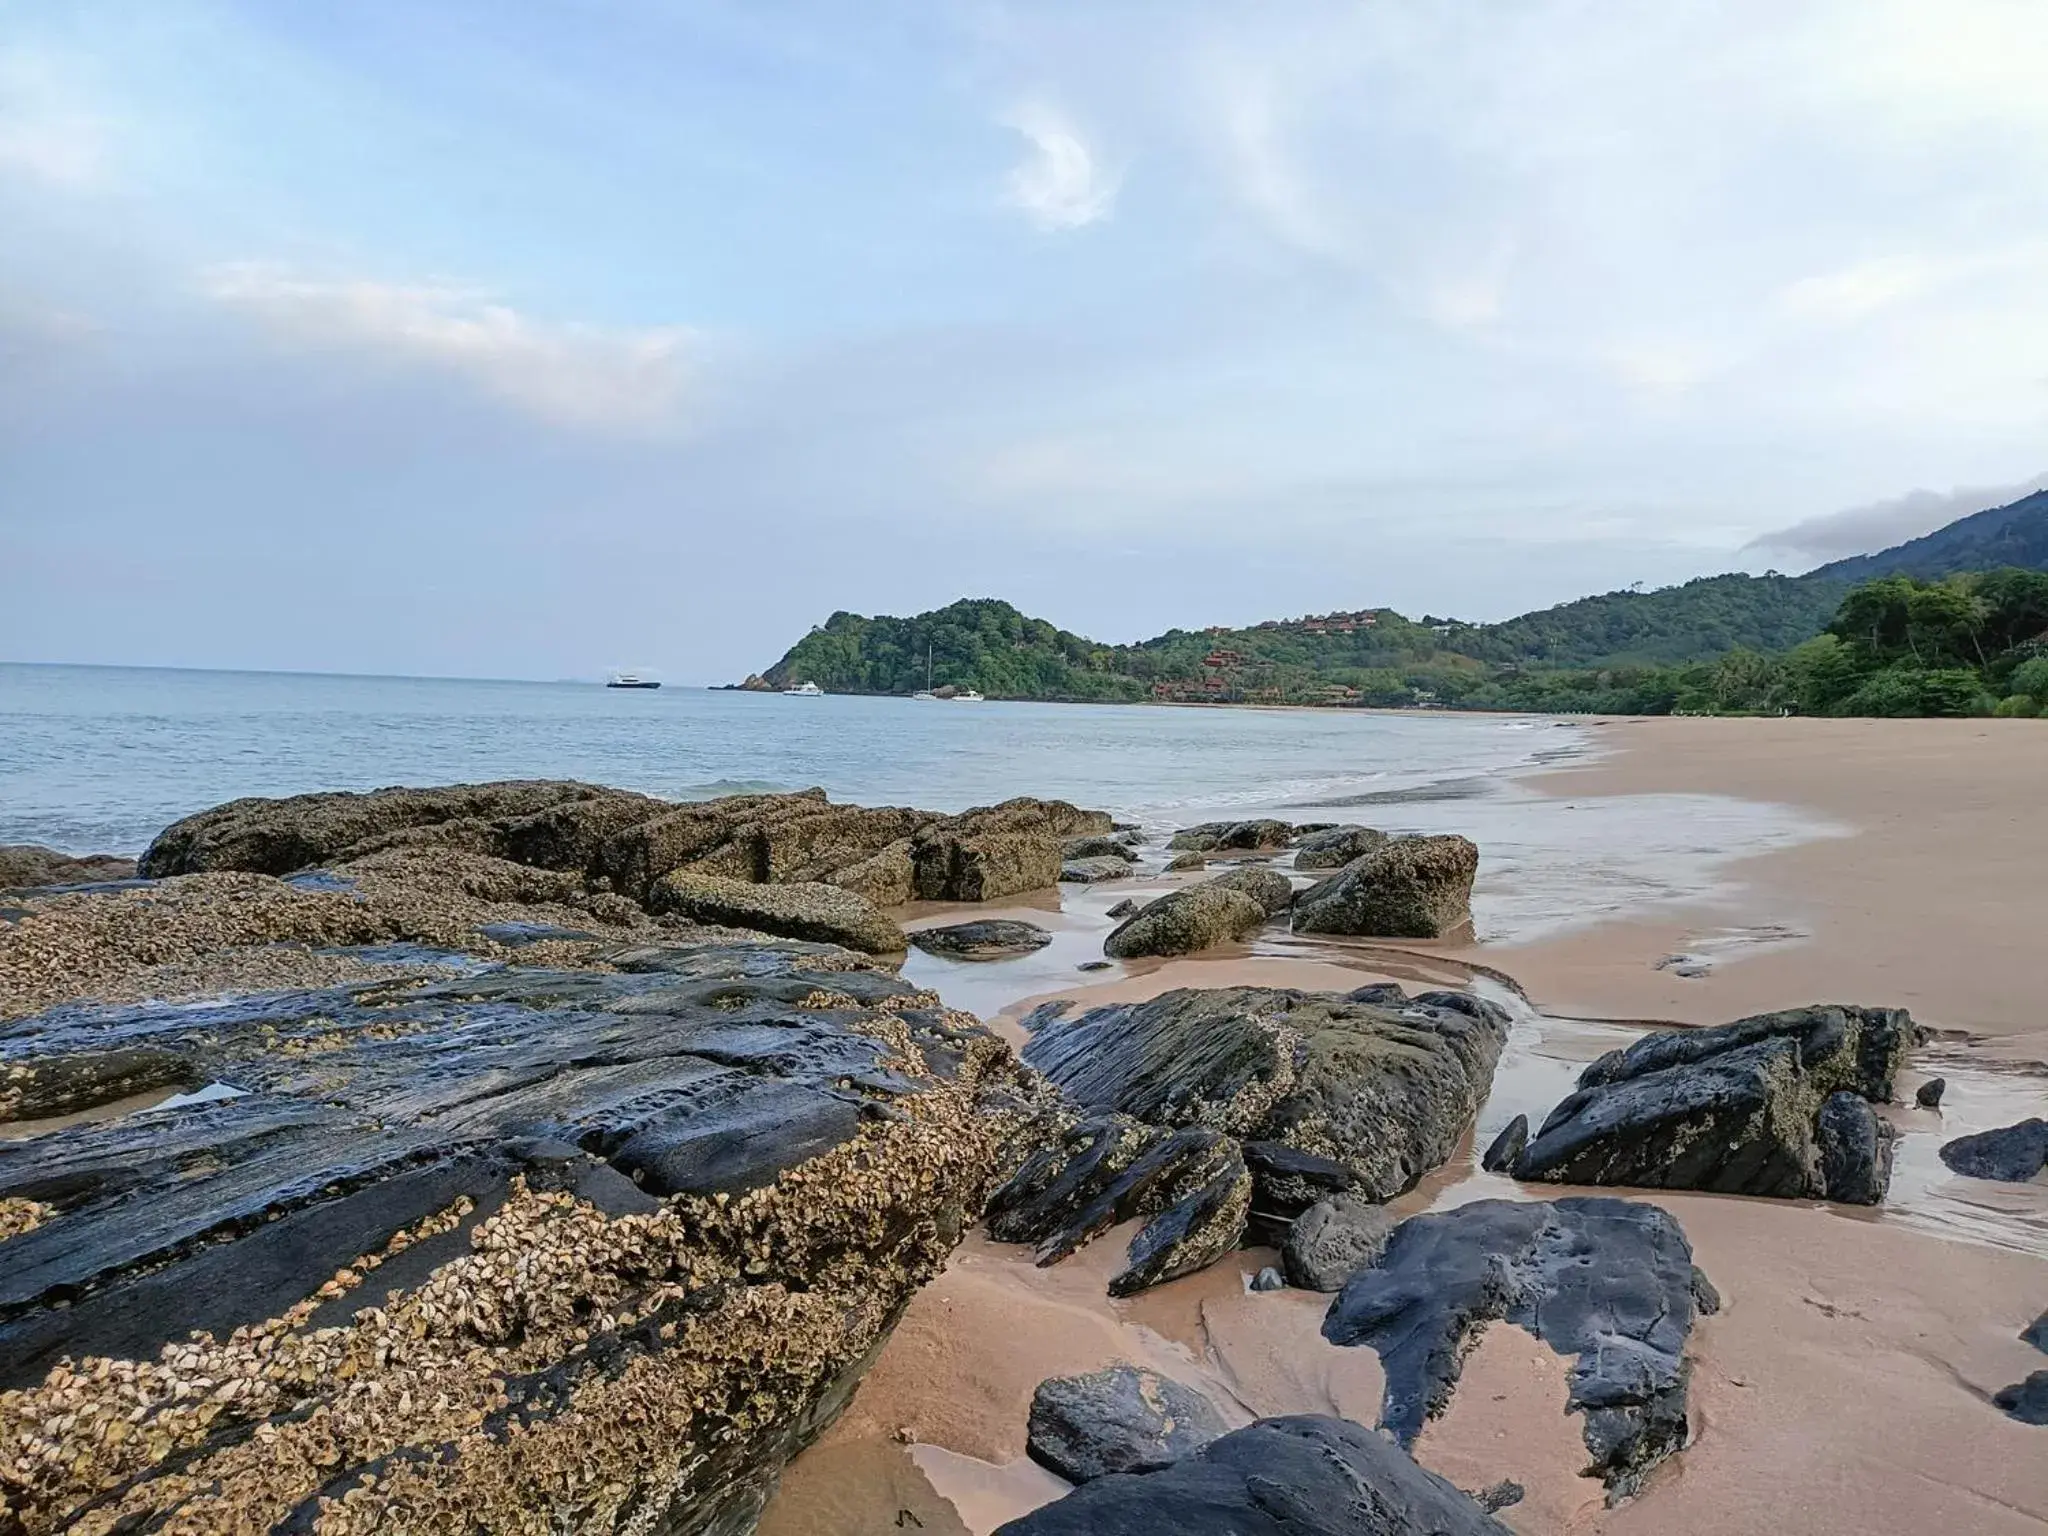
x=1844 y=1386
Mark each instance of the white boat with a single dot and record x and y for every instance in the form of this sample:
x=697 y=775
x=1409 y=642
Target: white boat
x=631 y=680
x=805 y=691
x=924 y=693
x=968 y=696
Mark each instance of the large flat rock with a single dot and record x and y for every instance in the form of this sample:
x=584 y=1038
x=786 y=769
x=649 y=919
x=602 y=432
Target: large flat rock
x=470 y=1245
x=1608 y=1282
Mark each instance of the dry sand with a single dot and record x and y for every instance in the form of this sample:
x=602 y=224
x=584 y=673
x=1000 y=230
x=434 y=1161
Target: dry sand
x=1844 y=1386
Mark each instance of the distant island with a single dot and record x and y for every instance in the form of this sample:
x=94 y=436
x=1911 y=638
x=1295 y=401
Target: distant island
x=1952 y=623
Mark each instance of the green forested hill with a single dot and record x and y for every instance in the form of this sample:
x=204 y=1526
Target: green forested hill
x=978 y=642
x=1702 y=618
x=1710 y=643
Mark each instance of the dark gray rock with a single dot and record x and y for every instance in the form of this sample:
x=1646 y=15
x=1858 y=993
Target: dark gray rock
x=2036 y=1333
x=1735 y=1109
x=1407 y=888
x=1286 y=1180
x=1093 y=871
x=1093 y=965
x=1607 y=1281
x=1269 y=1279
x=1335 y=847
x=1123 y=908
x=1097 y=846
x=1258 y=835
x=2027 y=1400
x=1120 y=1420
x=2014 y=1153
x=1855 y=1150
x=1334 y=1239
x=1504 y=1149
x=1181 y=922
x=1306 y=1476
x=1190 y=1185
x=1182 y=862
x=990 y=939
x=1387 y=1092
x=1928 y=1094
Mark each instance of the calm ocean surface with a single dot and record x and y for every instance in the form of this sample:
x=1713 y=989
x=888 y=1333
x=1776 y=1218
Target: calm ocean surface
x=99 y=760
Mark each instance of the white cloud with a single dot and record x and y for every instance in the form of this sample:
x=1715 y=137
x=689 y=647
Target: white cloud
x=576 y=375
x=45 y=133
x=1060 y=184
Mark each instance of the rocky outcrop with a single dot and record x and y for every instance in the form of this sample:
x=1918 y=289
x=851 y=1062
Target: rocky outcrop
x=1385 y=1091
x=1928 y=1094
x=628 y=842
x=1120 y=1420
x=1737 y=1109
x=600 y=1239
x=1260 y=834
x=1334 y=1239
x=990 y=939
x=28 y=866
x=1189 y=1185
x=2036 y=1333
x=1306 y=1476
x=799 y=910
x=1607 y=1281
x=1180 y=863
x=1220 y=1115
x=1181 y=922
x=1336 y=847
x=2013 y=1154
x=1407 y=888
x=1273 y=891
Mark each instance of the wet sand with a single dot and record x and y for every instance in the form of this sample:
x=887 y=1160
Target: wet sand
x=1936 y=903
x=1844 y=1387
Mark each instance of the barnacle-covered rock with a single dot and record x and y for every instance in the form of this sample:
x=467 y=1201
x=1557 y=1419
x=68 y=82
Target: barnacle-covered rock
x=433 y=1243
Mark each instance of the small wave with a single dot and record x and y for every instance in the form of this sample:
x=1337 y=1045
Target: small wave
x=1413 y=794
x=712 y=789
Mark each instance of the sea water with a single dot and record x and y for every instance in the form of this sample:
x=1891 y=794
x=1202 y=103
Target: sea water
x=100 y=759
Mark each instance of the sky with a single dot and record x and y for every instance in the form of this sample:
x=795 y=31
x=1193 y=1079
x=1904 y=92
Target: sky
x=542 y=340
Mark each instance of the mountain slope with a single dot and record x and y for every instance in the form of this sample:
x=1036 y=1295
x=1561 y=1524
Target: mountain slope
x=1381 y=656
x=1705 y=617
x=2014 y=534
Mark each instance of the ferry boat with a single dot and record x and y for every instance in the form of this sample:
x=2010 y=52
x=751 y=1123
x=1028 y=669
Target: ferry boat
x=805 y=691
x=631 y=680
